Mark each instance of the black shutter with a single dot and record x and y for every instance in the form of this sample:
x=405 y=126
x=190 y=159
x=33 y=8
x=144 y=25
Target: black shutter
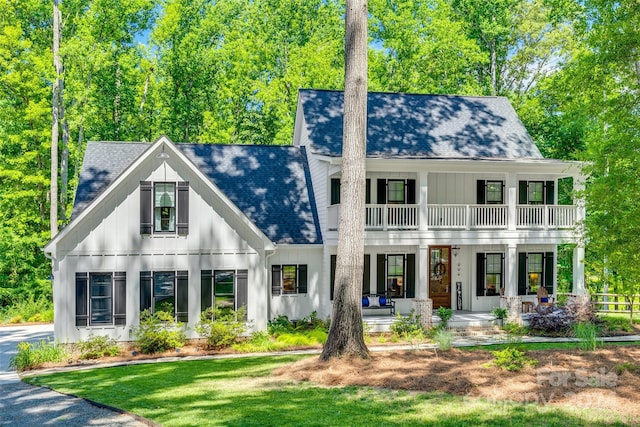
x=523 y=189
x=206 y=289
x=410 y=275
x=302 y=279
x=549 y=193
x=480 y=192
x=335 y=191
x=242 y=289
x=182 y=296
x=276 y=280
x=182 y=222
x=120 y=298
x=480 y=276
x=146 y=207
x=366 y=275
x=411 y=191
x=332 y=276
x=367 y=192
x=548 y=271
x=522 y=273
x=382 y=279
x=82 y=299
x=382 y=191
x=145 y=290
x=502 y=199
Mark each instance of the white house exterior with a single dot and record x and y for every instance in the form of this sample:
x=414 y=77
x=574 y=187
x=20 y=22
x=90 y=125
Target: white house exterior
x=461 y=208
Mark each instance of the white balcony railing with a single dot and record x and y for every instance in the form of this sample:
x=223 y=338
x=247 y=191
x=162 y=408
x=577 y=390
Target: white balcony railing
x=462 y=217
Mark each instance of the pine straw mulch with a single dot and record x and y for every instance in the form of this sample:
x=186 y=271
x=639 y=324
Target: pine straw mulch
x=562 y=377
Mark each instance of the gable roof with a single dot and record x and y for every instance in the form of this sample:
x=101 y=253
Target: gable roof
x=271 y=185
x=421 y=126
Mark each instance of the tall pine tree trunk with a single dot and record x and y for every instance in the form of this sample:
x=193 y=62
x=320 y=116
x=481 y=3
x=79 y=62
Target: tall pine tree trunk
x=346 y=333
x=53 y=197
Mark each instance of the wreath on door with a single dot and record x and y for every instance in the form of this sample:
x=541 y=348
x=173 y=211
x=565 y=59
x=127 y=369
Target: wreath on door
x=439 y=270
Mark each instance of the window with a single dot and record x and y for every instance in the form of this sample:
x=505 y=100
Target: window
x=100 y=299
x=396 y=192
x=534 y=273
x=165 y=291
x=490 y=275
x=226 y=290
x=536 y=192
x=288 y=279
x=490 y=192
x=164 y=208
x=396 y=275
x=535 y=269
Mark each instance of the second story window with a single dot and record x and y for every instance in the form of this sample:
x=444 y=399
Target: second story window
x=536 y=192
x=396 y=192
x=164 y=207
x=490 y=192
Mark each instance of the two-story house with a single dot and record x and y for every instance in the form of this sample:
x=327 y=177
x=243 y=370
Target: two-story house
x=461 y=208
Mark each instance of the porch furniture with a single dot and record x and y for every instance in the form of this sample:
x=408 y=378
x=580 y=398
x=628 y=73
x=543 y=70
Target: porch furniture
x=527 y=307
x=377 y=302
x=544 y=299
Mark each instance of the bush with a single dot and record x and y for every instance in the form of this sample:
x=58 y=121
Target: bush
x=31 y=356
x=279 y=325
x=617 y=324
x=38 y=309
x=98 y=346
x=221 y=329
x=512 y=359
x=408 y=327
x=500 y=313
x=158 y=332
x=587 y=333
x=444 y=339
x=445 y=315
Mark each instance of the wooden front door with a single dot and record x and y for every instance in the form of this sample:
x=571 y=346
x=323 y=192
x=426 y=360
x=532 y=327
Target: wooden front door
x=440 y=276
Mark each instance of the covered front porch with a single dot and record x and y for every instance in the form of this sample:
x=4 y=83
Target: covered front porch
x=461 y=319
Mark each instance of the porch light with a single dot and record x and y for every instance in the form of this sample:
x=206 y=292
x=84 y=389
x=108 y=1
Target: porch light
x=455 y=250
x=162 y=155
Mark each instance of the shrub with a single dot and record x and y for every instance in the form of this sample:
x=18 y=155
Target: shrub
x=222 y=329
x=98 y=346
x=158 y=332
x=279 y=325
x=500 y=313
x=408 y=327
x=444 y=339
x=31 y=356
x=630 y=367
x=445 y=315
x=512 y=359
x=40 y=309
x=617 y=324
x=312 y=321
x=587 y=333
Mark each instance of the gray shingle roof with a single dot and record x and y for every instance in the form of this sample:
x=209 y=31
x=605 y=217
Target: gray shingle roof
x=421 y=126
x=270 y=184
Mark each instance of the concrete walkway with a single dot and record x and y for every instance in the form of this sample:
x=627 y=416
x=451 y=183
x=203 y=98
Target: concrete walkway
x=25 y=405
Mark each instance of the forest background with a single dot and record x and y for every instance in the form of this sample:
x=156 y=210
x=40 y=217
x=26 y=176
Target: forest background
x=228 y=71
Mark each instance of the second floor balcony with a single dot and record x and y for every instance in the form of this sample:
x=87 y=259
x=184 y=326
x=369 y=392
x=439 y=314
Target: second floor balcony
x=462 y=217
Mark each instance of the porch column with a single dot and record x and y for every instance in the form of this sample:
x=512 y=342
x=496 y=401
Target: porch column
x=422 y=287
x=579 y=286
x=512 y=200
x=423 y=192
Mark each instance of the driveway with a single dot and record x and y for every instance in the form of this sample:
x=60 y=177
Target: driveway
x=25 y=405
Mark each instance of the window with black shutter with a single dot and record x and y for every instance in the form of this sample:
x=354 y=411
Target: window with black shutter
x=165 y=291
x=489 y=192
x=164 y=207
x=101 y=299
x=536 y=192
x=289 y=279
x=535 y=269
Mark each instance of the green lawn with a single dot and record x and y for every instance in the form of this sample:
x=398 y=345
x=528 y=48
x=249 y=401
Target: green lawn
x=241 y=392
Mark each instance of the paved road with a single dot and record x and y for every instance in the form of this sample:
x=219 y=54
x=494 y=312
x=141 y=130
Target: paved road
x=25 y=405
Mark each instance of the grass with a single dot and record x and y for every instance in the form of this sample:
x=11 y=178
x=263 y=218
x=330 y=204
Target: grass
x=241 y=392
x=547 y=345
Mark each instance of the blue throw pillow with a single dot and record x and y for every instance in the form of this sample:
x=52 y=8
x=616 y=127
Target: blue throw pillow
x=365 y=302
x=383 y=301
x=544 y=299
